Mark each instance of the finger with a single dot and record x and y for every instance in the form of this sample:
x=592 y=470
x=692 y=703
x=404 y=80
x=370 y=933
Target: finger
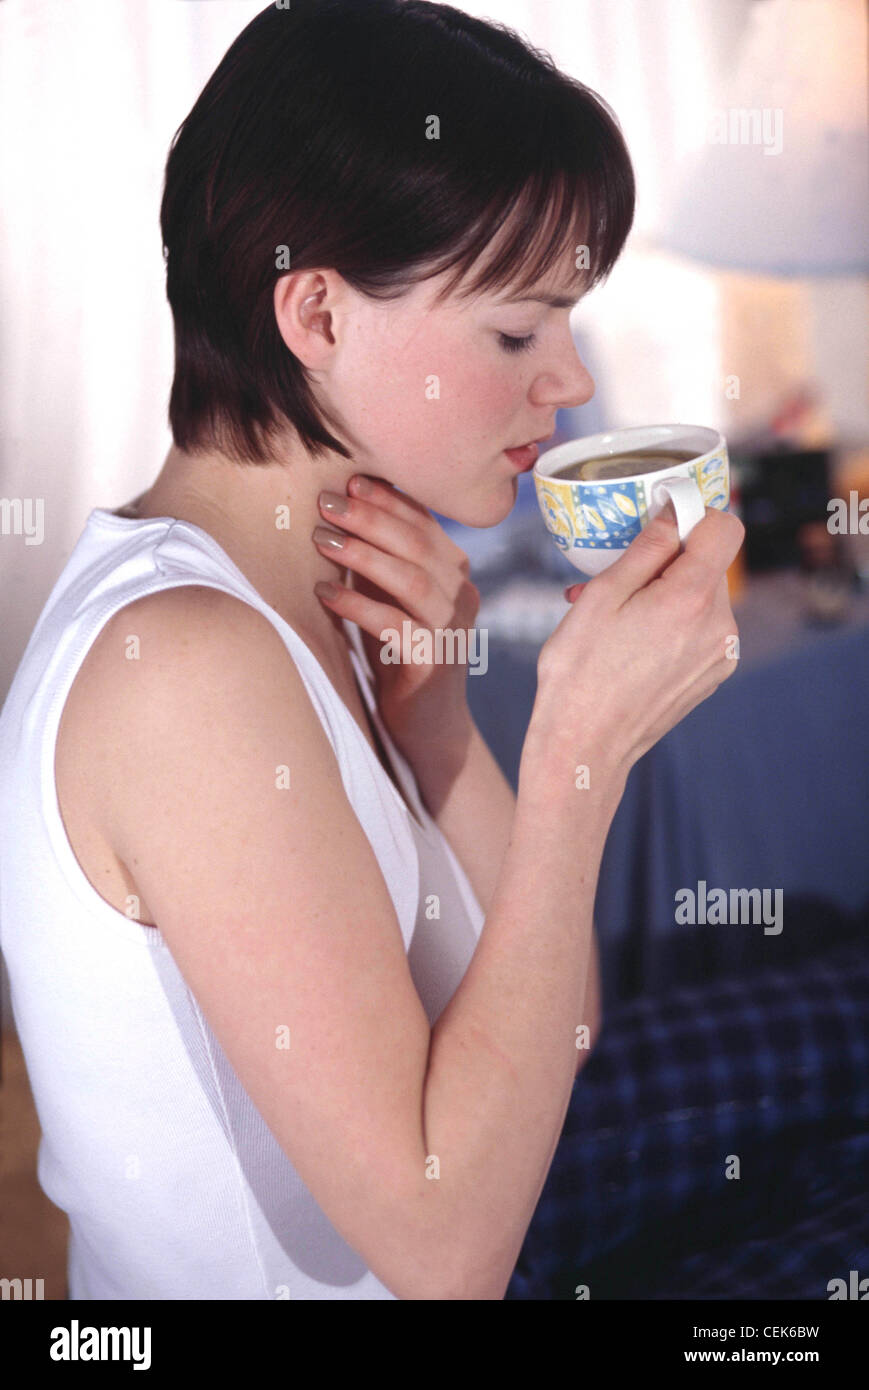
x=573 y=591
x=710 y=549
x=405 y=507
x=650 y=552
x=421 y=594
x=385 y=494
x=382 y=527
x=430 y=551
x=373 y=617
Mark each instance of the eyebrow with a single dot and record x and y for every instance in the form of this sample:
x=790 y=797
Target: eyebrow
x=555 y=301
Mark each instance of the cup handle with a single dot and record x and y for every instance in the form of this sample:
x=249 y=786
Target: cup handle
x=687 y=502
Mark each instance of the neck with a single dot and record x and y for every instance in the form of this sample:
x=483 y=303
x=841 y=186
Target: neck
x=263 y=516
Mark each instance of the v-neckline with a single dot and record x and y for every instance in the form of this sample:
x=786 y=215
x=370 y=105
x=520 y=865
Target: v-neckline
x=379 y=733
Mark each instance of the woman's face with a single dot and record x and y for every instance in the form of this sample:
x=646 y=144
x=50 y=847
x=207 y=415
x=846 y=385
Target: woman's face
x=431 y=396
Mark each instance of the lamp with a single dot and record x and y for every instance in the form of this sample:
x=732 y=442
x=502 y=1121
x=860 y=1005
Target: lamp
x=780 y=185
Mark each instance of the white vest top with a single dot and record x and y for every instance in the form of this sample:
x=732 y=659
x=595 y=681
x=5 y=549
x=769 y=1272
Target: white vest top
x=173 y=1184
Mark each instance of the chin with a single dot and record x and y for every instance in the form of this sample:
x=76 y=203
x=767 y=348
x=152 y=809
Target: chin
x=486 y=512
x=487 y=503
x=501 y=503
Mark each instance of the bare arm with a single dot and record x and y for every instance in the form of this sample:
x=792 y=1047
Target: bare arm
x=505 y=1046
x=474 y=805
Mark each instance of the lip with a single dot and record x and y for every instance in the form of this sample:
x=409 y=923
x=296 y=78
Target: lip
x=542 y=440
x=524 y=456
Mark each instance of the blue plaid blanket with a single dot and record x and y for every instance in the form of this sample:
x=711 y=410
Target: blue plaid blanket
x=716 y=1144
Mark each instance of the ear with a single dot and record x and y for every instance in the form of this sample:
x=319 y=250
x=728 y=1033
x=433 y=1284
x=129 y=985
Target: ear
x=306 y=304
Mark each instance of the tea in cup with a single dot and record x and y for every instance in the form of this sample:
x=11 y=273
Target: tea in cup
x=597 y=493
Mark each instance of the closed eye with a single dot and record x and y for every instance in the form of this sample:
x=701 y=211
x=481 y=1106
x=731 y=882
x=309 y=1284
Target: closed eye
x=517 y=344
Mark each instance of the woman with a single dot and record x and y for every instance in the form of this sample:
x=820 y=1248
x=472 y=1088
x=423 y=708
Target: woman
x=322 y=983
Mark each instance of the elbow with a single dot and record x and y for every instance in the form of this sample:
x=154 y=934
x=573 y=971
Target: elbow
x=469 y=1284
x=438 y=1265
x=475 y=1290
x=448 y=1285
x=480 y=1267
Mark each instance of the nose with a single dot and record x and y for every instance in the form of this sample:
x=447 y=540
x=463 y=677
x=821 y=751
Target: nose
x=567 y=383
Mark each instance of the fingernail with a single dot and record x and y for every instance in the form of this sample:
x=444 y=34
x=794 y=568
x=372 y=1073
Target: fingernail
x=323 y=536
x=333 y=502
x=362 y=486
x=323 y=589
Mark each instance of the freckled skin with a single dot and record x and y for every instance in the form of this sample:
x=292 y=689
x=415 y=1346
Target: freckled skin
x=369 y=363
x=447 y=451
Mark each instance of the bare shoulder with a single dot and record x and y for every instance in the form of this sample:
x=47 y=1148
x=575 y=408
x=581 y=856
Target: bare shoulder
x=148 y=638
x=159 y=656
x=158 y=627
x=177 y=615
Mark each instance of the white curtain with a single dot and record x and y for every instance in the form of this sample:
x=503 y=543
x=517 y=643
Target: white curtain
x=91 y=92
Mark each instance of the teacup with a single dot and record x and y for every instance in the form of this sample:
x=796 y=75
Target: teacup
x=592 y=520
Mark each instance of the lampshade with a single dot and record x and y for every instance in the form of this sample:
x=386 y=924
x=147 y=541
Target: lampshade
x=779 y=183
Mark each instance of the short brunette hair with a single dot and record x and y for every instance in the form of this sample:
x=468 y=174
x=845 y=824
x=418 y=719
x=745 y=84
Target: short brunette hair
x=389 y=140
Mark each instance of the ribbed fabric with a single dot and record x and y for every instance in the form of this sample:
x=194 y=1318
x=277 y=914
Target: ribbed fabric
x=173 y=1184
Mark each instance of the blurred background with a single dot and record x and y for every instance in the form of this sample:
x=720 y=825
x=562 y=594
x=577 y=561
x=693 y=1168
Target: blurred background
x=740 y=302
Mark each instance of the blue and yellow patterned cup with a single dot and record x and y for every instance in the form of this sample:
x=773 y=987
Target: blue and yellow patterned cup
x=593 y=520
